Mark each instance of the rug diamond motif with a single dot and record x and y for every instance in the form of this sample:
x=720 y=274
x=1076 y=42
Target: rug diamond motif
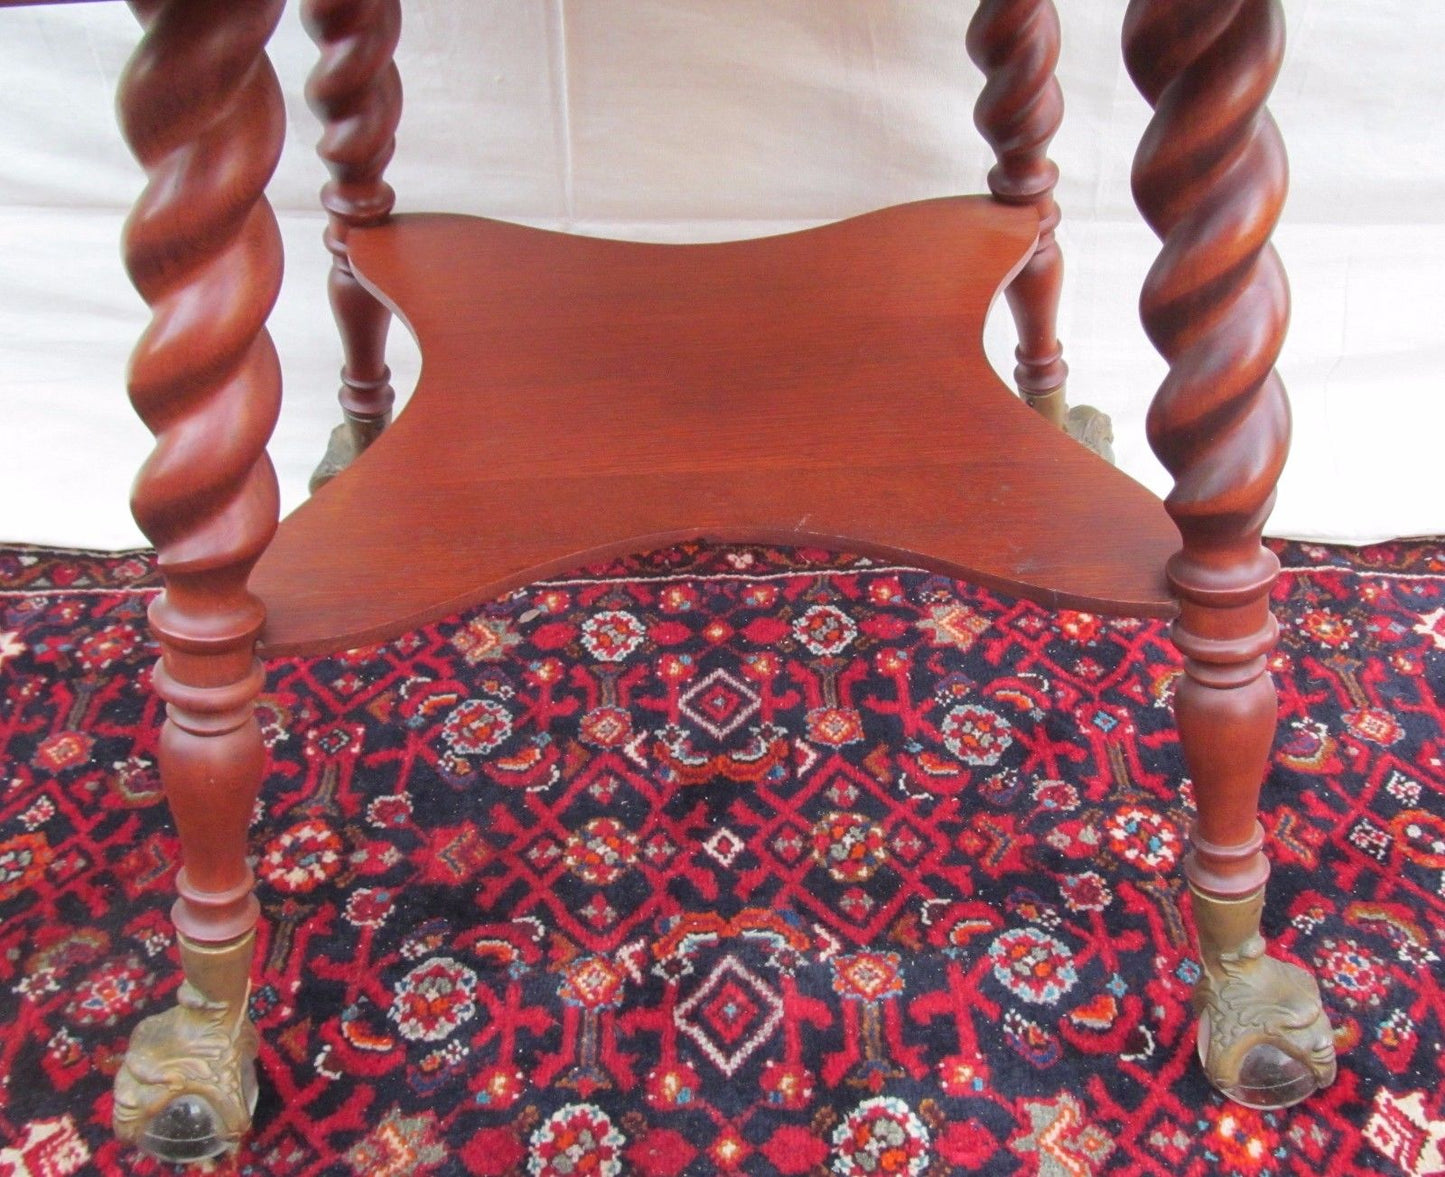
x=719 y=704
x=731 y=1014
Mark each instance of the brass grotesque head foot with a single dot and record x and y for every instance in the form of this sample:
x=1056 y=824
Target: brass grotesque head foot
x=1264 y=1039
x=347 y=443
x=1092 y=429
x=187 y=1087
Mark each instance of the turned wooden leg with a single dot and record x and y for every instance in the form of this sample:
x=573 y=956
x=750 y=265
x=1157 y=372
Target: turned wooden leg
x=1210 y=177
x=1016 y=44
x=355 y=90
x=201 y=109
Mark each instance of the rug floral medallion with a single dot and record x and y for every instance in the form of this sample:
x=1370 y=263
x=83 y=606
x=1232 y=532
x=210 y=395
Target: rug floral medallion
x=733 y=860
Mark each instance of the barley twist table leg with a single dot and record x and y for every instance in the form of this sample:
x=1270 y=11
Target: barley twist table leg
x=1210 y=177
x=355 y=90
x=201 y=109
x=1016 y=44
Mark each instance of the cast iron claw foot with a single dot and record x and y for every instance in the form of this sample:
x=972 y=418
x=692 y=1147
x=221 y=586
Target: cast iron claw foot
x=348 y=440
x=1093 y=429
x=187 y=1087
x=1264 y=1039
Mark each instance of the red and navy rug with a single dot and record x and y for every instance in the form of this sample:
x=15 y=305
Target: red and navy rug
x=734 y=861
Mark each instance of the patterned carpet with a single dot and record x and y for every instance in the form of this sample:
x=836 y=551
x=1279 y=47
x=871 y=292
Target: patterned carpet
x=734 y=860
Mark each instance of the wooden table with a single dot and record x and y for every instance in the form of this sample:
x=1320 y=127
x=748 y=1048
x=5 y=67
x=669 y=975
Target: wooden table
x=584 y=398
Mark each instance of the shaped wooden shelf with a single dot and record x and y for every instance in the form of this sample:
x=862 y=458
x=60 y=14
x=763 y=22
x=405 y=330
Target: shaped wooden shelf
x=583 y=398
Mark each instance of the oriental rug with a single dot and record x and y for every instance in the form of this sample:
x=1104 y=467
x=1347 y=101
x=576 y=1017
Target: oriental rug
x=733 y=860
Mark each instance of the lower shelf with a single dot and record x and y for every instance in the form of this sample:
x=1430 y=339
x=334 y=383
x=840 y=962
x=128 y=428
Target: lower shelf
x=584 y=398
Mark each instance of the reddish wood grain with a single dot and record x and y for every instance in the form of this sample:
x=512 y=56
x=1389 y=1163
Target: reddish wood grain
x=583 y=398
x=355 y=90
x=1016 y=44
x=201 y=108
x=1210 y=178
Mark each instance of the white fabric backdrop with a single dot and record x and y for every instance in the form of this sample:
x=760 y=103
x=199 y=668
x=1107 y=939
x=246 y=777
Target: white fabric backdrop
x=708 y=119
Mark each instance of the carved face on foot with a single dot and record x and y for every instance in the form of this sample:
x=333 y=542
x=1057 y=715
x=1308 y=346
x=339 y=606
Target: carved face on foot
x=1264 y=1039
x=188 y=1084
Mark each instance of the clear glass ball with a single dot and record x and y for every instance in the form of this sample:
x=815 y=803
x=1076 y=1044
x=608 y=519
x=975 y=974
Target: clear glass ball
x=1272 y=1078
x=186 y=1129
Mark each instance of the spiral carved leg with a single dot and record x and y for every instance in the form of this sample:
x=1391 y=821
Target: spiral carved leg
x=202 y=110
x=1210 y=178
x=1263 y=1036
x=355 y=90
x=187 y=1087
x=1016 y=44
